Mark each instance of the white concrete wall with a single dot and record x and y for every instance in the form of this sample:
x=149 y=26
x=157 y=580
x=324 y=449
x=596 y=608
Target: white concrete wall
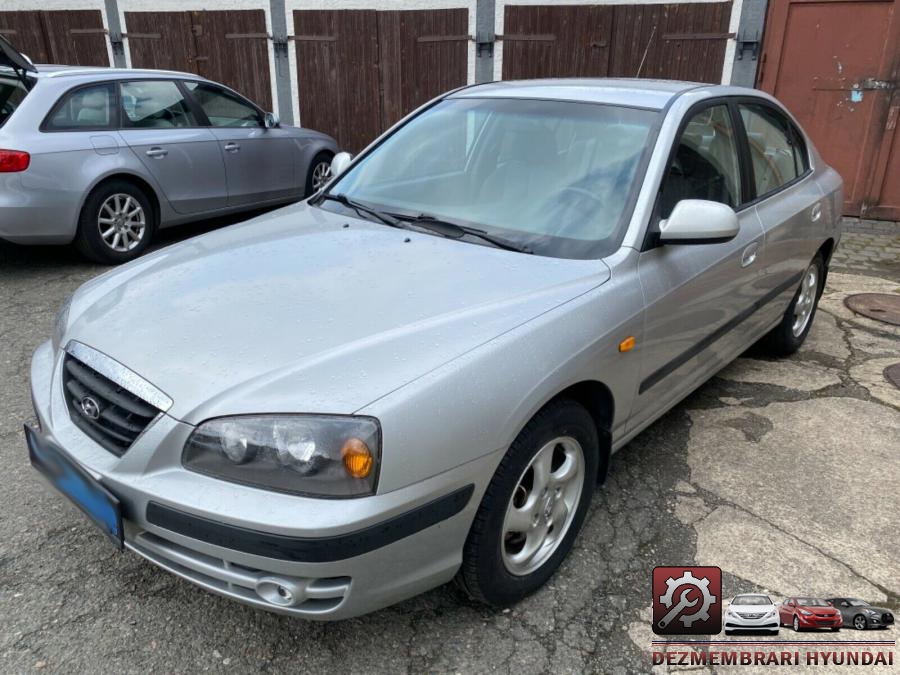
x=500 y=7
x=291 y=5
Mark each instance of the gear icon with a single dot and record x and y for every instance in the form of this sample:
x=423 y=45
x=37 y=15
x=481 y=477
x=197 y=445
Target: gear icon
x=688 y=579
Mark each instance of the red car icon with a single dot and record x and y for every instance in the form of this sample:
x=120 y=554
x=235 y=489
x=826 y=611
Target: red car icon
x=806 y=613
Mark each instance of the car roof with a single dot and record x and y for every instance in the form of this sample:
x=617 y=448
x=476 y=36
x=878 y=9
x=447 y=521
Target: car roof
x=639 y=93
x=89 y=73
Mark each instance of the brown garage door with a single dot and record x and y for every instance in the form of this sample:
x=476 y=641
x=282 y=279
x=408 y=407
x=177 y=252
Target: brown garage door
x=230 y=47
x=835 y=65
x=359 y=71
x=69 y=37
x=684 y=41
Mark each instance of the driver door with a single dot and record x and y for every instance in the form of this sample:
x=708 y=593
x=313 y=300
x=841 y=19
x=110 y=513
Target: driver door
x=697 y=295
x=183 y=157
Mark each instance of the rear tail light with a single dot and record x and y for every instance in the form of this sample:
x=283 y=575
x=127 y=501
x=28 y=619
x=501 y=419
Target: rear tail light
x=12 y=161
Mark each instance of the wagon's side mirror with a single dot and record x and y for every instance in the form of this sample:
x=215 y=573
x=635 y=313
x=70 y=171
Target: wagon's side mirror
x=271 y=120
x=698 y=221
x=340 y=162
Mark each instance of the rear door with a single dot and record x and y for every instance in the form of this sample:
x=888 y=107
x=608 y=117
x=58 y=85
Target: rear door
x=260 y=163
x=183 y=156
x=698 y=296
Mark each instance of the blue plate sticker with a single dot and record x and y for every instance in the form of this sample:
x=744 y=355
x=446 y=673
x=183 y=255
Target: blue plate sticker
x=97 y=503
x=856 y=95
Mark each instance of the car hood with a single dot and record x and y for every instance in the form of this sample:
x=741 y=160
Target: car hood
x=820 y=611
x=752 y=609
x=304 y=310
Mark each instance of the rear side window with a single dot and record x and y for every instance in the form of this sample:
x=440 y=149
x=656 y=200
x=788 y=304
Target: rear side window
x=12 y=93
x=84 y=108
x=223 y=108
x=155 y=104
x=776 y=157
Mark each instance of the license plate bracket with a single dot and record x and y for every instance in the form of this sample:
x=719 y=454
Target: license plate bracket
x=100 y=506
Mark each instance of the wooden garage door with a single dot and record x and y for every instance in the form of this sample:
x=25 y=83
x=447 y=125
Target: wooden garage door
x=230 y=47
x=68 y=37
x=836 y=65
x=684 y=41
x=359 y=71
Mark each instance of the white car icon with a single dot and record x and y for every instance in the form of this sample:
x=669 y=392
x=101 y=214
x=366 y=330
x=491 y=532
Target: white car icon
x=751 y=611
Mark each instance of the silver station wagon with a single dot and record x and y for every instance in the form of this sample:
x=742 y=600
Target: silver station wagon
x=104 y=157
x=422 y=372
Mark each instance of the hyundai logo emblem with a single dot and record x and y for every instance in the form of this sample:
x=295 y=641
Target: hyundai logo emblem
x=90 y=408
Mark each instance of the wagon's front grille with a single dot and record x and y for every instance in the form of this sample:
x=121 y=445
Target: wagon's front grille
x=102 y=408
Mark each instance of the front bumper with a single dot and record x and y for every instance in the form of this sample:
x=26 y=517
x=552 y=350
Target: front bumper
x=820 y=622
x=314 y=558
x=735 y=621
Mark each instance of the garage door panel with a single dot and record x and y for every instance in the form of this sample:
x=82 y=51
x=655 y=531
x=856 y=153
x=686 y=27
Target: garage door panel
x=160 y=40
x=68 y=37
x=26 y=33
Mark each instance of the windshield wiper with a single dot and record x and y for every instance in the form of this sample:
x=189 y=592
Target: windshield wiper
x=362 y=209
x=448 y=228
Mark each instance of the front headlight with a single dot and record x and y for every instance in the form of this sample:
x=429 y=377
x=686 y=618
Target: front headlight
x=316 y=455
x=61 y=324
x=806 y=612
x=871 y=612
x=770 y=614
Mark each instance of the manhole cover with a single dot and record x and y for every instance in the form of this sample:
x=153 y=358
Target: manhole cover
x=879 y=306
x=892 y=373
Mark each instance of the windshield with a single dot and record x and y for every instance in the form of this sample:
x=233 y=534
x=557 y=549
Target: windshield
x=556 y=177
x=859 y=603
x=751 y=600
x=812 y=602
x=12 y=93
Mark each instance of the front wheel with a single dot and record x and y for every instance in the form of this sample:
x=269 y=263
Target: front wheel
x=116 y=223
x=533 y=507
x=859 y=622
x=319 y=173
x=796 y=625
x=787 y=336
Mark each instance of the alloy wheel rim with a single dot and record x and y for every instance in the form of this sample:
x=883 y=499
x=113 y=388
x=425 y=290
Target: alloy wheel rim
x=543 y=505
x=321 y=175
x=803 y=308
x=122 y=222
x=860 y=623
x=796 y=624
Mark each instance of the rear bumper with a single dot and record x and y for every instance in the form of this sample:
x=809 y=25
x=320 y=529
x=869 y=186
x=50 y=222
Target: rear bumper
x=312 y=558
x=30 y=214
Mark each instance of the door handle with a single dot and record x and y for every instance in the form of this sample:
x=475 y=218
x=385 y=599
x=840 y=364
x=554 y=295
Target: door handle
x=816 y=212
x=232 y=147
x=157 y=153
x=749 y=255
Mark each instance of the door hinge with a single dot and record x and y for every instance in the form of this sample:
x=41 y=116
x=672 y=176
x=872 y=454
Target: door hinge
x=744 y=43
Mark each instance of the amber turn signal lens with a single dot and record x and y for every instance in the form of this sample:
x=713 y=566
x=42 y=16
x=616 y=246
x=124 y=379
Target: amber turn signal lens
x=357 y=458
x=627 y=344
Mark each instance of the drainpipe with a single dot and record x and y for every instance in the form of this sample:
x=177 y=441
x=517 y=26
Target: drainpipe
x=749 y=43
x=280 y=46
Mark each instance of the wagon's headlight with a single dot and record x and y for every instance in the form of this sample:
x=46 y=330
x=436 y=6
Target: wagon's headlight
x=317 y=455
x=62 y=323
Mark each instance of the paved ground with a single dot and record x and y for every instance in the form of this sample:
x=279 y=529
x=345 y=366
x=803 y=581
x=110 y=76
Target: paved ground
x=786 y=474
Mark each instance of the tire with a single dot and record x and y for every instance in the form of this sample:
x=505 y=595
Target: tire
x=321 y=162
x=787 y=336
x=775 y=632
x=860 y=622
x=729 y=632
x=835 y=629
x=496 y=569
x=796 y=624
x=109 y=201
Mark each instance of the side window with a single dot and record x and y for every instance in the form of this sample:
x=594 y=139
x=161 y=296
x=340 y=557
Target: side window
x=223 y=108
x=85 y=108
x=151 y=104
x=772 y=151
x=705 y=164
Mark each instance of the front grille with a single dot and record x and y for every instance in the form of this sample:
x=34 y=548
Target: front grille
x=749 y=616
x=887 y=617
x=826 y=622
x=108 y=413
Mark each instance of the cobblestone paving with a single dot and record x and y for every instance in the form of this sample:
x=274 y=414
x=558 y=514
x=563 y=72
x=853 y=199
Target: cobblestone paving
x=868 y=247
x=724 y=479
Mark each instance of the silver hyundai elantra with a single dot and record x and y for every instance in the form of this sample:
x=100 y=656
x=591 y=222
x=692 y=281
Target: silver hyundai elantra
x=421 y=373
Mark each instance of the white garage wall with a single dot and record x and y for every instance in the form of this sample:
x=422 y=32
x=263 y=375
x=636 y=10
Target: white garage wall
x=291 y=5
x=500 y=6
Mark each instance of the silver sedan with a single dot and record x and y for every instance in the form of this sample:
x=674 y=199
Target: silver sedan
x=105 y=157
x=422 y=372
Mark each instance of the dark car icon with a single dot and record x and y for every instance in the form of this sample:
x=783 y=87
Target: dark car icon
x=861 y=615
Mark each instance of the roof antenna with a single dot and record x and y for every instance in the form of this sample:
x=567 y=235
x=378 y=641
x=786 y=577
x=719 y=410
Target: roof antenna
x=646 y=49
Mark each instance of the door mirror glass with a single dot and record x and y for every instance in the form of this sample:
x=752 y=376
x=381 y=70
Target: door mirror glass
x=698 y=221
x=340 y=162
x=272 y=121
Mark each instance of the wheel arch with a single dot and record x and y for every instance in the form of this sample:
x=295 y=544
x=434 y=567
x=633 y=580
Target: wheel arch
x=598 y=399
x=134 y=179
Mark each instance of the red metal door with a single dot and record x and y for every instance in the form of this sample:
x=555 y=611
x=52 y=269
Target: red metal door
x=834 y=64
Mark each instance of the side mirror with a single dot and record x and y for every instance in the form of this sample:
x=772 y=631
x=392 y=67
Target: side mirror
x=271 y=120
x=339 y=163
x=698 y=221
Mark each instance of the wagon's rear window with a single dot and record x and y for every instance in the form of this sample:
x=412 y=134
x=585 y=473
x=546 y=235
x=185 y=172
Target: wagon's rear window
x=557 y=177
x=12 y=93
